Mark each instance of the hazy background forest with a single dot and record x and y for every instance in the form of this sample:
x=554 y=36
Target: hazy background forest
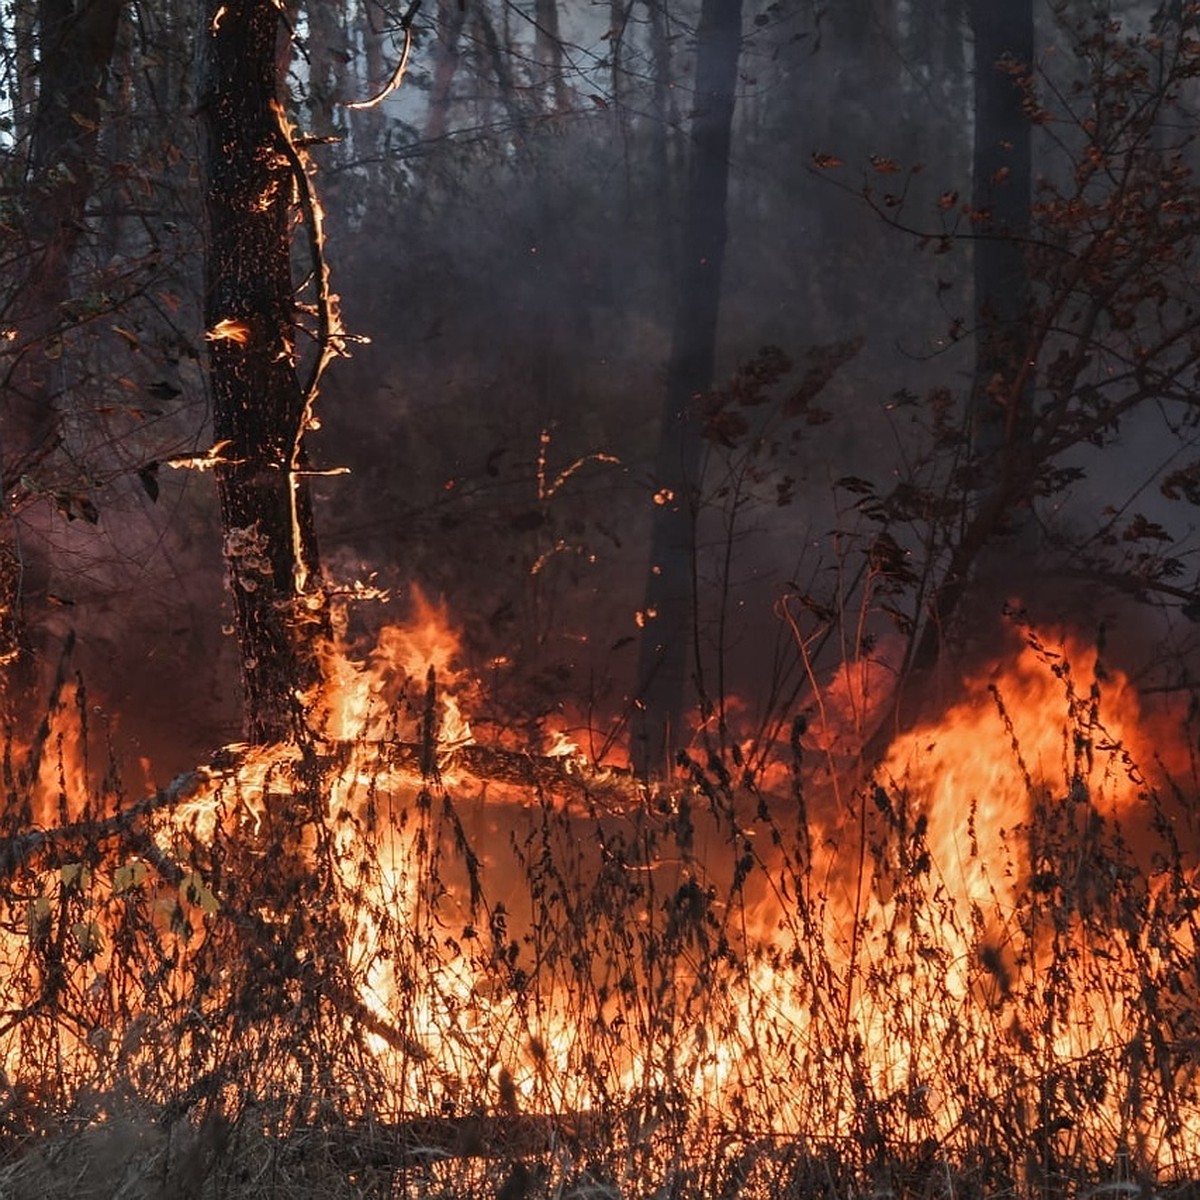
x=505 y=232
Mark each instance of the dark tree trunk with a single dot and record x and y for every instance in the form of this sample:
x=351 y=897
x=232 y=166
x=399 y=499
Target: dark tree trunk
x=258 y=401
x=76 y=39
x=1001 y=199
x=499 y=57
x=663 y=132
x=669 y=636
x=76 y=42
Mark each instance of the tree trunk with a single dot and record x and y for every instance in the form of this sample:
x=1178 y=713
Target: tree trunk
x=76 y=47
x=24 y=70
x=663 y=133
x=329 y=56
x=445 y=52
x=76 y=40
x=259 y=405
x=499 y=56
x=1002 y=179
x=549 y=56
x=670 y=604
x=999 y=403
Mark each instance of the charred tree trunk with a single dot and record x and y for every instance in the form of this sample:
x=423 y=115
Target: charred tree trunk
x=76 y=39
x=259 y=405
x=670 y=606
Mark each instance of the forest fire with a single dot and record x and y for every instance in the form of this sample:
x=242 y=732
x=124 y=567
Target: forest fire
x=992 y=942
x=401 y=926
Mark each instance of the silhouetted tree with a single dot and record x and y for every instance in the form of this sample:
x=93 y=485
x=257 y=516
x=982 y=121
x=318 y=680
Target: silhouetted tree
x=1006 y=349
x=75 y=39
x=1000 y=202
x=1087 y=327
x=669 y=608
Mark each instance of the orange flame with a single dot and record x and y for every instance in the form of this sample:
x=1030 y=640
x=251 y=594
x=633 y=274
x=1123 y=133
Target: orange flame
x=952 y=932
x=229 y=329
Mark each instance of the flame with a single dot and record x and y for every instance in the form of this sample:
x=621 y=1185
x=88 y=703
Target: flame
x=229 y=329
x=212 y=458
x=362 y=699
x=986 y=845
x=979 y=770
x=987 y=920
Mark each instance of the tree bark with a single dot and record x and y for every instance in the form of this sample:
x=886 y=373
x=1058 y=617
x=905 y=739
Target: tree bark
x=670 y=599
x=259 y=404
x=76 y=39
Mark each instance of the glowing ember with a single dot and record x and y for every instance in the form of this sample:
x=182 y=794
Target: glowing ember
x=229 y=330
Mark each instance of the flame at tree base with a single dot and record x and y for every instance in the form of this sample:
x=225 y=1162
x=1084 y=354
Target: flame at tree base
x=985 y=959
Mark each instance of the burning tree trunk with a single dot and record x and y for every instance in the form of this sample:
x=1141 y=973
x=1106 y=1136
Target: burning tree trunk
x=260 y=407
x=670 y=590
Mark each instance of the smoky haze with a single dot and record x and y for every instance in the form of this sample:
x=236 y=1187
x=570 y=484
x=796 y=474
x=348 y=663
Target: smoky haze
x=506 y=232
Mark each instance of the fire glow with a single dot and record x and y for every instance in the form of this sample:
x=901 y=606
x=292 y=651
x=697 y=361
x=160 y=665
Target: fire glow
x=1001 y=922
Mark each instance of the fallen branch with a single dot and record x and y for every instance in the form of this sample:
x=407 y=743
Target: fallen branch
x=23 y=849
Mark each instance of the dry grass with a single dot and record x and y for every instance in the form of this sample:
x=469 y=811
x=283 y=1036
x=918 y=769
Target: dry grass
x=368 y=971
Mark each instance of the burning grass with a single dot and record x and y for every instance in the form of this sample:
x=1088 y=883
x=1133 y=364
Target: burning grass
x=393 y=962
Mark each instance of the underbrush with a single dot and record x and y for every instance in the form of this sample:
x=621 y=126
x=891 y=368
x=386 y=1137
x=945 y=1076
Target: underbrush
x=392 y=968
